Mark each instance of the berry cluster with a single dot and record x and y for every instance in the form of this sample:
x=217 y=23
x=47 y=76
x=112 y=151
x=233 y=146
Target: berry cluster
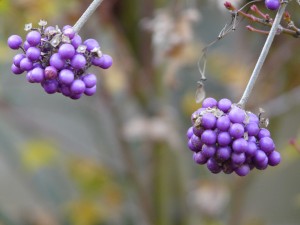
x=227 y=138
x=58 y=59
x=272 y=4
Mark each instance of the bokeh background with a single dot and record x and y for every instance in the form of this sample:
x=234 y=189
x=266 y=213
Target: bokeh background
x=120 y=157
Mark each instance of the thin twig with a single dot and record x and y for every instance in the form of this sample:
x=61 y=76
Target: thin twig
x=86 y=15
x=263 y=55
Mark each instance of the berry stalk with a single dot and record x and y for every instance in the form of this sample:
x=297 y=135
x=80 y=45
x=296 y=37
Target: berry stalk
x=86 y=15
x=262 y=56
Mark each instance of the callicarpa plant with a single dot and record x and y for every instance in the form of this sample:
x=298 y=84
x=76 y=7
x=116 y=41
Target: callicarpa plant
x=59 y=59
x=224 y=135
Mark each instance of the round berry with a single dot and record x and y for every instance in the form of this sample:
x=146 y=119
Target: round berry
x=243 y=170
x=33 y=38
x=50 y=72
x=198 y=131
x=272 y=4
x=189 y=133
x=14 y=41
x=208 y=150
x=274 y=158
x=76 y=41
x=240 y=145
x=196 y=141
x=77 y=87
x=224 y=138
x=37 y=75
x=69 y=32
x=223 y=123
x=26 y=64
x=263 y=132
x=252 y=129
x=50 y=86
x=252 y=148
x=236 y=130
x=78 y=61
x=17 y=59
x=104 y=62
x=213 y=166
x=66 y=51
x=90 y=91
x=208 y=121
x=266 y=144
x=33 y=53
x=209 y=103
x=16 y=70
x=237 y=115
x=56 y=61
x=223 y=153
x=199 y=158
x=66 y=76
x=224 y=104
x=91 y=44
x=238 y=158
x=209 y=137
x=89 y=80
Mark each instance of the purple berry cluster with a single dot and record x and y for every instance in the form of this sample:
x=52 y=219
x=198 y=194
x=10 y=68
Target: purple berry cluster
x=229 y=139
x=272 y=4
x=58 y=59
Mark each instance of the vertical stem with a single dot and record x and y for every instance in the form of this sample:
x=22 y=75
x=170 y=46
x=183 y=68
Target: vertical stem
x=263 y=55
x=86 y=15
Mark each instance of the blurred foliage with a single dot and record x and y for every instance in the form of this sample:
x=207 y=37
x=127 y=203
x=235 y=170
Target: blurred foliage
x=120 y=157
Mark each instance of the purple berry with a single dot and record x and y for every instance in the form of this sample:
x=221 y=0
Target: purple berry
x=196 y=141
x=223 y=153
x=209 y=137
x=224 y=104
x=37 y=75
x=76 y=41
x=69 y=32
x=189 y=133
x=236 y=130
x=238 y=158
x=28 y=77
x=208 y=151
x=259 y=156
x=252 y=129
x=77 y=87
x=252 y=148
x=237 y=115
x=104 y=62
x=199 y=158
x=75 y=96
x=26 y=45
x=17 y=59
x=33 y=53
x=208 y=121
x=198 y=131
x=263 y=132
x=14 y=41
x=90 y=80
x=78 y=61
x=253 y=118
x=267 y=145
x=272 y=4
x=33 y=38
x=213 y=166
x=243 y=170
x=91 y=44
x=26 y=64
x=66 y=51
x=66 y=76
x=90 y=91
x=240 y=145
x=262 y=164
x=50 y=86
x=50 y=72
x=193 y=147
x=209 y=103
x=16 y=70
x=56 y=61
x=223 y=123
x=224 y=138
x=48 y=29
x=274 y=158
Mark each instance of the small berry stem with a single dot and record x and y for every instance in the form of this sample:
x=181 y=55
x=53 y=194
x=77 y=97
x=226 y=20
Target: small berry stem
x=86 y=15
x=262 y=56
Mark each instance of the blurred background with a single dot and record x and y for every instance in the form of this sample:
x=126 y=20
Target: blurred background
x=120 y=157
